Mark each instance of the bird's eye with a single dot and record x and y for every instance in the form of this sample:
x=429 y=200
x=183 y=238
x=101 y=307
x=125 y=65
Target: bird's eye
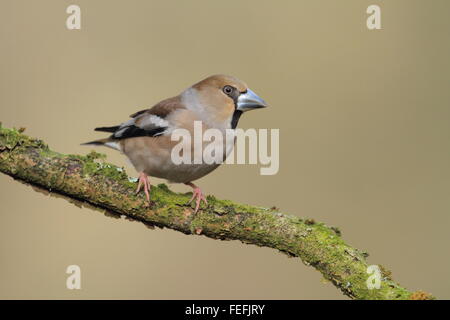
x=228 y=90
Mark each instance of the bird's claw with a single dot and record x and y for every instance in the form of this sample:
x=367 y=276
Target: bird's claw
x=143 y=181
x=198 y=195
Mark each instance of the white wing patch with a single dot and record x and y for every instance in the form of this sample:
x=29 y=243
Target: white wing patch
x=150 y=123
x=153 y=121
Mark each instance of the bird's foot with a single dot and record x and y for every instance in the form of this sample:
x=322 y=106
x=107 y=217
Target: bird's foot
x=143 y=181
x=198 y=195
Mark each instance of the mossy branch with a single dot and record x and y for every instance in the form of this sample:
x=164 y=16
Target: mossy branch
x=90 y=179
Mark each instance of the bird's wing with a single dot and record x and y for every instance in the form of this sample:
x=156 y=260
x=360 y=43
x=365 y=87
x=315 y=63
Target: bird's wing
x=151 y=122
x=163 y=108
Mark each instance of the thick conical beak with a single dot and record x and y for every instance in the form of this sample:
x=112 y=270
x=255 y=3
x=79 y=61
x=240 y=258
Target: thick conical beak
x=250 y=100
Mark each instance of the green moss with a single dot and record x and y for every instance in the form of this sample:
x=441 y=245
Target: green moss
x=93 y=155
x=13 y=138
x=47 y=153
x=165 y=188
x=94 y=164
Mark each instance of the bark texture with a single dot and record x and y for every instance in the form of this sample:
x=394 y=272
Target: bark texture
x=90 y=179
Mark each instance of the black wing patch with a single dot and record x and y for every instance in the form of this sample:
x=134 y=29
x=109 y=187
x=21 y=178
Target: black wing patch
x=107 y=129
x=142 y=124
x=130 y=129
x=134 y=131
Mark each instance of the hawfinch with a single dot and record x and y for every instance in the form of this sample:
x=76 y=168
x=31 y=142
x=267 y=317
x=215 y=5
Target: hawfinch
x=217 y=102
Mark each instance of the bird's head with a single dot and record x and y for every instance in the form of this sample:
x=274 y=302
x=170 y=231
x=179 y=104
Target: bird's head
x=227 y=97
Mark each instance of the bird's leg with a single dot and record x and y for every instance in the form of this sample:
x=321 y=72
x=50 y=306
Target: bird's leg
x=143 y=180
x=197 y=194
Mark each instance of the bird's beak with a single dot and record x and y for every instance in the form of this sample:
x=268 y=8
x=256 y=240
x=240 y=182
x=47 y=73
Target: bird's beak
x=250 y=100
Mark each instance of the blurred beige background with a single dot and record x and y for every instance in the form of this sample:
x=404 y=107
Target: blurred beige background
x=364 y=126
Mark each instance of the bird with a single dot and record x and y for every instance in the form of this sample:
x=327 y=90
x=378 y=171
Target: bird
x=217 y=101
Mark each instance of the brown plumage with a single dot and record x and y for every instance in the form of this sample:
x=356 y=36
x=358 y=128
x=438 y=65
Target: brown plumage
x=217 y=101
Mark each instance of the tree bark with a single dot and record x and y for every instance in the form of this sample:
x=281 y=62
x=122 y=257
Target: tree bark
x=90 y=179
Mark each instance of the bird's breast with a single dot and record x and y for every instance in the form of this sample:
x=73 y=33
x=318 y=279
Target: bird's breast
x=154 y=155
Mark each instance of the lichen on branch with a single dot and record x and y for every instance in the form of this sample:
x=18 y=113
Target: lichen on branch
x=91 y=179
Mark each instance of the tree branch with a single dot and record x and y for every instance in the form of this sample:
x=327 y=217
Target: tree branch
x=90 y=179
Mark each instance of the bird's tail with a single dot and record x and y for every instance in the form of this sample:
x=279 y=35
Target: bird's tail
x=107 y=129
x=107 y=142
